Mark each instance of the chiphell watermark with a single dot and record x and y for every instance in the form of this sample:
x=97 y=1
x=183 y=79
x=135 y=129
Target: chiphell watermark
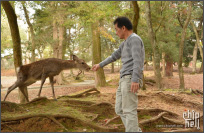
x=192 y=119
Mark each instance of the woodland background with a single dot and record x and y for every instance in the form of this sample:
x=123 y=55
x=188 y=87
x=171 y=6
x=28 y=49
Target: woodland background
x=172 y=32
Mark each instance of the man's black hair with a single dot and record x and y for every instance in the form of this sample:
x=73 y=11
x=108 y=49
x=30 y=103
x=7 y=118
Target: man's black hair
x=123 y=21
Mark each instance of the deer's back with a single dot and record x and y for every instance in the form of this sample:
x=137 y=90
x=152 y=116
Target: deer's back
x=49 y=66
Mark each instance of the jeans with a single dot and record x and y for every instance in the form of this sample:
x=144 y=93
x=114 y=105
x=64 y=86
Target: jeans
x=126 y=105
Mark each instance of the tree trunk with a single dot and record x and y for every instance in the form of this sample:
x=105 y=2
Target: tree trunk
x=195 y=51
x=136 y=15
x=169 y=66
x=163 y=64
x=55 y=39
x=198 y=40
x=69 y=47
x=112 y=64
x=59 y=78
x=181 y=45
x=155 y=47
x=135 y=24
x=169 y=69
x=17 y=55
x=112 y=67
x=31 y=31
x=96 y=55
x=201 y=68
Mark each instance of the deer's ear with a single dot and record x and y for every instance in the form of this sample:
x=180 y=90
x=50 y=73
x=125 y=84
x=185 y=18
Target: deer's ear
x=75 y=58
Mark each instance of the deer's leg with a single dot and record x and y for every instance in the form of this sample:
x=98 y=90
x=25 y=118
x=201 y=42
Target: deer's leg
x=43 y=78
x=24 y=93
x=52 y=85
x=11 y=88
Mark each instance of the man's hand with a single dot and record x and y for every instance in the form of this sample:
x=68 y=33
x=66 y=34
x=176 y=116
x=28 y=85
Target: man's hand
x=95 y=67
x=135 y=87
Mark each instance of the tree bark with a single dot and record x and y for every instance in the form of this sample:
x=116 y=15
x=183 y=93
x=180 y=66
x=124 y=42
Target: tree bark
x=59 y=78
x=136 y=15
x=55 y=39
x=96 y=55
x=163 y=64
x=201 y=68
x=112 y=67
x=169 y=69
x=17 y=54
x=181 y=45
x=198 y=40
x=155 y=47
x=195 y=51
x=31 y=31
x=169 y=66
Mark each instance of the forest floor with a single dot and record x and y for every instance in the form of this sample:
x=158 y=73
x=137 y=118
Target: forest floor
x=80 y=107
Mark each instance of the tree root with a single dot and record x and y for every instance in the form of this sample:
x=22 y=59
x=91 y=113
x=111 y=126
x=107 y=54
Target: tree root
x=37 y=100
x=152 y=119
x=149 y=83
x=10 y=107
x=74 y=102
x=111 y=120
x=142 y=110
x=10 y=128
x=169 y=97
x=96 y=118
x=86 y=93
x=102 y=104
x=9 y=122
x=173 y=121
x=146 y=110
x=197 y=92
x=85 y=123
x=54 y=120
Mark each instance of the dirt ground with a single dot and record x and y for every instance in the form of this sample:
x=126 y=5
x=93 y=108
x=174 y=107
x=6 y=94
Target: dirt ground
x=170 y=99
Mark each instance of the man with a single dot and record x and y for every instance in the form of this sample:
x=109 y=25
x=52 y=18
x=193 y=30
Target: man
x=132 y=54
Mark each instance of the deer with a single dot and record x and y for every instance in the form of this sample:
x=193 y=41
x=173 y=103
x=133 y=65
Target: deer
x=40 y=70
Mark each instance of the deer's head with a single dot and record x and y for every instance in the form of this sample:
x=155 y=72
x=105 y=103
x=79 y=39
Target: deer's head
x=81 y=64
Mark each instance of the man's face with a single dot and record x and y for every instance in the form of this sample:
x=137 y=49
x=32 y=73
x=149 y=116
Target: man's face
x=120 y=31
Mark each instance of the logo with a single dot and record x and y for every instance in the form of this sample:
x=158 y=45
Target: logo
x=192 y=119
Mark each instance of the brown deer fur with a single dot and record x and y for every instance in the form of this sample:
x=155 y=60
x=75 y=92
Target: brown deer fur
x=40 y=70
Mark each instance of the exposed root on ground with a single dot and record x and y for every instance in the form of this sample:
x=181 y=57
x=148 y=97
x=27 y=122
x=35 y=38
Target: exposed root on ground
x=10 y=107
x=150 y=82
x=152 y=119
x=103 y=109
x=173 y=121
x=92 y=91
x=154 y=111
x=52 y=117
x=58 y=123
x=10 y=128
x=117 y=118
x=96 y=118
x=197 y=92
x=38 y=99
x=179 y=100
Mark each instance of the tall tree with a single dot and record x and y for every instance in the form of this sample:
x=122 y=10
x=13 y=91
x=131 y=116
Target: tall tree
x=61 y=37
x=96 y=54
x=195 y=51
x=31 y=31
x=136 y=17
x=17 y=55
x=181 y=46
x=155 y=47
